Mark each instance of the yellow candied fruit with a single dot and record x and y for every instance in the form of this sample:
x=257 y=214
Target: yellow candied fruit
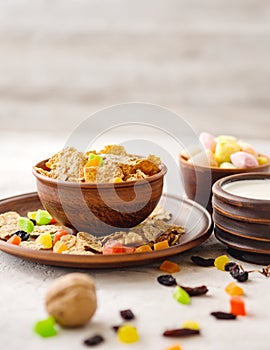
x=143 y=248
x=117 y=179
x=59 y=247
x=262 y=160
x=45 y=239
x=221 y=261
x=161 y=245
x=127 y=334
x=233 y=289
x=191 y=325
x=174 y=347
x=224 y=149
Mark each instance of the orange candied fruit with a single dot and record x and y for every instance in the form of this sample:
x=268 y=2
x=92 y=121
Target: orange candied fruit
x=233 y=289
x=238 y=306
x=174 y=347
x=14 y=240
x=161 y=245
x=143 y=248
x=169 y=266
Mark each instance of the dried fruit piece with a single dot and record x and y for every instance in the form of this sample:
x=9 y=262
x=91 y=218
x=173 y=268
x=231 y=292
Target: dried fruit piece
x=181 y=296
x=242 y=276
x=174 y=347
x=23 y=235
x=59 y=247
x=198 y=260
x=223 y=315
x=95 y=340
x=25 y=224
x=191 y=325
x=195 y=291
x=233 y=289
x=45 y=239
x=229 y=266
x=127 y=334
x=143 y=248
x=43 y=217
x=127 y=314
x=167 y=280
x=58 y=235
x=161 y=245
x=16 y=240
x=181 y=332
x=169 y=266
x=221 y=261
x=46 y=328
x=237 y=306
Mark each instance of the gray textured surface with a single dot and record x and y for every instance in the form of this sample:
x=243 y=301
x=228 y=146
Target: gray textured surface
x=209 y=61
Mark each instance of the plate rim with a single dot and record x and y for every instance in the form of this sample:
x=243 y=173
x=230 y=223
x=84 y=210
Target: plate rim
x=106 y=261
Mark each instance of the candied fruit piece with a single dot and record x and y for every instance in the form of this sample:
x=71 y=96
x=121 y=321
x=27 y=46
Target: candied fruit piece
x=127 y=334
x=161 y=245
x=46 y=328
x=94 y=160
x=233 y=289
x=143 y=248
x=16 y=240
x=224 y=149
x=58 y=235
x=32 y=215
x=181 y=296
x=174 y=347
x=237 y=306
x=244 y=160
x=227 y=165
x=262 y=160
x=169 y=266
x=45 y=239
x=191 y=325
x=43 y=217
x=221 y=261
x=59 y=247
x=25 y=224
x=117 y=179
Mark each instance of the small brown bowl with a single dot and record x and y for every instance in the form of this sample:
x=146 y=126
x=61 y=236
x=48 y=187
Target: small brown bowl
x=198 y=180
x=242 y=223
x=99 y=208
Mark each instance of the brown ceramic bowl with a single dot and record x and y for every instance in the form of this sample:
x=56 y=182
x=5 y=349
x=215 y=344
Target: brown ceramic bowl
x=198 y=180
x=99 y=208
x=242 y=223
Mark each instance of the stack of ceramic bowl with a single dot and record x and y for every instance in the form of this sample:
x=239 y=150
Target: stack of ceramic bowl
x=241 y=213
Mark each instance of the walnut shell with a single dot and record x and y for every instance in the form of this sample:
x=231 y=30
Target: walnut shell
x=71 y=300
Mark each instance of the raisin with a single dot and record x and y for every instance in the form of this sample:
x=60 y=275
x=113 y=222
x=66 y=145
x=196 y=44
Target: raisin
x=223 y=315
x=95 y=340
x=167 y=280
x=235 y=271
x=180 y=332
x=127 y=314
x=115 y=328
x=195 y=291
x=23 y=235
x=229 y=266
x=202 y=261
x=242 y=276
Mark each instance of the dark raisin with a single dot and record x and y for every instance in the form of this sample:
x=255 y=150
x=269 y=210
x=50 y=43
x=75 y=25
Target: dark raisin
x=195 y=291
x=167 y=280
x=23 y=235
x=235 y=271
x=223 y=315
x=127 y=314
x=242 y=276
x=95 y=340
x=180 y=332
x=202 y=261
x=115 y=328
x=229 y=266
x=33 y=221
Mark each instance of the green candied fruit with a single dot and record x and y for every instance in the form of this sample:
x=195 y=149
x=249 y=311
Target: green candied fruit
x=43 y=217
x=181 y=296
x=46 y=328
x=25 y=224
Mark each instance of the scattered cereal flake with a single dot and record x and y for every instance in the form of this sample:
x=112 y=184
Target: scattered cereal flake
x=7 y=230
x=89 y=242
x=38 y=230
x=114 y=149
x=31 y=245
x=69 y=240
x=8 y=218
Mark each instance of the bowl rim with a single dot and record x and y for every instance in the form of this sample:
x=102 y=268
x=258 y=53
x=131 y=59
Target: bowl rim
x=184 y=160
x=139 y=182
x=218 y=190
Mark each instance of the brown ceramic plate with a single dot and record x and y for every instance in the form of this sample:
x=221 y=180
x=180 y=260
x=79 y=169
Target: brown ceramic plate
x=192 y=216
